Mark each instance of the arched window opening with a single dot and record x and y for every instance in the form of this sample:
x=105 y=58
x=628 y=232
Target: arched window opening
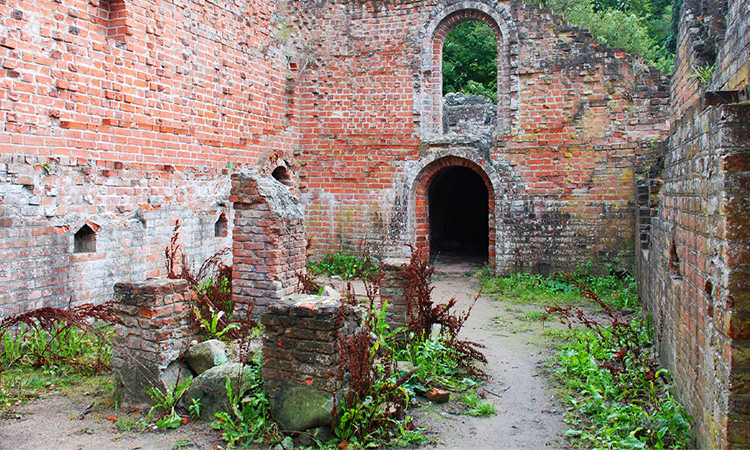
x=84 y=240
x=470 y=60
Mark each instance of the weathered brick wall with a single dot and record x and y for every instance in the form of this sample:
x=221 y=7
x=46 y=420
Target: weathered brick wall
x=302 y=357
x=693 y=268
x=118 y=110
x=129 y=115
x=153 y=333
x=269 y=241
x=574 y=121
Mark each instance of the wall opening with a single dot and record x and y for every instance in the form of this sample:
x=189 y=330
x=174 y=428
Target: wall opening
x=111 y=19
x=496 y=28
x=674 y=262
x=470 y=60
x=459 y=214
x=221 y=227
x=84 y=240
x=282 y=175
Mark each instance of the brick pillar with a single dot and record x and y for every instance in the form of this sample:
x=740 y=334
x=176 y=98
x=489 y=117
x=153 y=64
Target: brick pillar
x=301 y=359
x=269 y=241
x=154 y=332
x=392 y=289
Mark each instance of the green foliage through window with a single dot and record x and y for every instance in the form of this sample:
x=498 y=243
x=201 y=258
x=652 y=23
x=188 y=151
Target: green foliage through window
x=470 y=60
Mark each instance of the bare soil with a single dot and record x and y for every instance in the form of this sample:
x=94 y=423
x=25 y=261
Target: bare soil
x=528 y=414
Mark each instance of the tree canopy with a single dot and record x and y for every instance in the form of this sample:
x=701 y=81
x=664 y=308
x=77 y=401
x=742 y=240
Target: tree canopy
x=645 y=27
x=470 y=60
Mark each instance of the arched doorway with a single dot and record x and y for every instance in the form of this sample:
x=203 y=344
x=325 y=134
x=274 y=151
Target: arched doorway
x=454 y=201
x=459 y=215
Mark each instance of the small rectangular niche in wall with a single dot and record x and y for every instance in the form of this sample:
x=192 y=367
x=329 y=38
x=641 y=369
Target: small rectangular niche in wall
x=221 y=227
x=85 y=240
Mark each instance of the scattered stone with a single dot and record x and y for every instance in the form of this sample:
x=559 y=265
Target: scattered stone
x=300 y=408
x=404 y=366
x=206 y=355
x=436 y=395
x=328 y=291
x=210 y=388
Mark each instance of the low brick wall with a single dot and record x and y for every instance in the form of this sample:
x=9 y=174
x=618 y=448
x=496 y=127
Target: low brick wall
x=153 y=334
x=392 y=289
x=301 y=358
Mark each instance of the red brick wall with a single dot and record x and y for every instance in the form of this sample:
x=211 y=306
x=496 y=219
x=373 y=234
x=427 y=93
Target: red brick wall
x=694 y=269
x=575 y=120
x=130 y=115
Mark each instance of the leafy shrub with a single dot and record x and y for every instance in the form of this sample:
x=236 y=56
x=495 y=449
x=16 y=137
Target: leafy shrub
x=470 y=60
x=635 y=30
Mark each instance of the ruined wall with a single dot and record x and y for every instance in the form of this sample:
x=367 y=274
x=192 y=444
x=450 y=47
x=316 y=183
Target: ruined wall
x=129 y=116
x=123 y=118
x=268 y=242
x=574 y=120
x=693 y=267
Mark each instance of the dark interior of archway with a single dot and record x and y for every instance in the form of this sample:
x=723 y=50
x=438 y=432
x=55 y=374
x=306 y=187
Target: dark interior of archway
x=459 y=214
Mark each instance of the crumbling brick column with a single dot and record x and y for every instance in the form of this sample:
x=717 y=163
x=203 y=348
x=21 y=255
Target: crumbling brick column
x=392 y=289
x=154 y=332
x=301 y=358
x=269 y=241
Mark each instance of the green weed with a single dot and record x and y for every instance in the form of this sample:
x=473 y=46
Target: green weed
x=345 y=265
x=212 y=325
x=167 y=400
x=533 y=316
x=617 y=396
x=617 y=291
x=252 y=422
x=475 y=407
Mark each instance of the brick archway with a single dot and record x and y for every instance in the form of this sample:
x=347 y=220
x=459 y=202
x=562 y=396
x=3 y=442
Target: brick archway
x=443 y=22
x=425 y=179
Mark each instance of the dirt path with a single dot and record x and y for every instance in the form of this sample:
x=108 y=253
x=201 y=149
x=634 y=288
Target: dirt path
x=527 y=415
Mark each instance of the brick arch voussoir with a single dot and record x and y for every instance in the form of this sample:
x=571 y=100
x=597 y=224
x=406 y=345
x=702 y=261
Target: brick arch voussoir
x=449 y=23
